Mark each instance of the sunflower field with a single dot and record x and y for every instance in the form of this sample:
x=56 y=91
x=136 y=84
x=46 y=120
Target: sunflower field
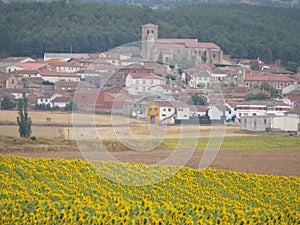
x=59 y=191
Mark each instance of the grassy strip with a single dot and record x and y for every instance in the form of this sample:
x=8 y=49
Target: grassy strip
x=261 y=142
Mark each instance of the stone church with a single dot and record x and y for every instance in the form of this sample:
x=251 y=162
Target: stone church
x=177 y=50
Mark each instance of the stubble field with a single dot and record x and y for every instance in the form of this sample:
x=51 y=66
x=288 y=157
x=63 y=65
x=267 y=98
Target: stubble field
x=254 y=153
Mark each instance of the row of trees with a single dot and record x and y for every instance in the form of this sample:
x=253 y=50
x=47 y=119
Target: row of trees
x=242 y=31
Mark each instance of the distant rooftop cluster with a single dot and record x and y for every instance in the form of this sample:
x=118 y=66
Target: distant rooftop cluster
x=151 y=83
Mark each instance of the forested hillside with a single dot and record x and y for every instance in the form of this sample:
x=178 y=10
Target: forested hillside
x=242 y=31
x=175 y=3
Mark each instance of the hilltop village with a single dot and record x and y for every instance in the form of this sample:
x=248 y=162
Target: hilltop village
x=161 y=81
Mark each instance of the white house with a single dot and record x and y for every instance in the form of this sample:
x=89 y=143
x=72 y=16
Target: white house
x=218 y=74
x=142 y=82
x=261 y=108
x=221 y=112
x=61 y=102
x=270 y=123
x=54 y=76
x=46 y=99
x=166 y=112
x=9 y=67
x=160 y=90
x=199 y=110
x=64 y=56
x=201 y=77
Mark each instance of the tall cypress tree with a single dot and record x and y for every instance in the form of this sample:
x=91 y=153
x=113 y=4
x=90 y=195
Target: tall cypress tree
x=24 y=121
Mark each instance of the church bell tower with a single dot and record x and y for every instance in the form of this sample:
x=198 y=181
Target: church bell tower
x=149 y=37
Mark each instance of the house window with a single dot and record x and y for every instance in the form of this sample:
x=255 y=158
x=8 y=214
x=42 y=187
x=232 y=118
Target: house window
x=150 y=109
x=137 y=81
x=155 y=109
x=247 y=84
x=169 y=109
x=12 y=81
x=144 y=81
x=214 y=55
x=281 y=84
x=163 y=115
x=265 y=121
x=151 y=81
x=164 y=109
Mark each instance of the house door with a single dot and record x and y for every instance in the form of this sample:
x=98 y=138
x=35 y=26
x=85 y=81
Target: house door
x=152 y=119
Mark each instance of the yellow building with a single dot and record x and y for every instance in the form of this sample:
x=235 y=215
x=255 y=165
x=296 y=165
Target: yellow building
x=153 y=112
x=166 y=112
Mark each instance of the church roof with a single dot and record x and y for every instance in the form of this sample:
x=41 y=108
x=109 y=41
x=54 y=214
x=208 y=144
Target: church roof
x=189 y=43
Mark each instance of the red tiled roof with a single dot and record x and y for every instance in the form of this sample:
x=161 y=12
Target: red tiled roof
x=32 y=66
x=263 y=102
x=198 y=67
x=199 y=108
x=62 y=99
x=58 y=74
x=171 y=104
x=138 y=75
x=190 y=43
x=268 y=78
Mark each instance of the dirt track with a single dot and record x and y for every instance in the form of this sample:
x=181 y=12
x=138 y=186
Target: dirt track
x=263 y=162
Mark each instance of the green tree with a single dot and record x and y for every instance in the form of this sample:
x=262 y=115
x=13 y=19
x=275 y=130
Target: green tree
x=6 y=104
x=197 y=100
x=24 y=121
x=265 y=86
x=160 y=58
x=292 y=66
x=47 y=83
x=170 y=77
x=254 y=65
x=258 y=96
x=204 y=58
x=201 y=85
